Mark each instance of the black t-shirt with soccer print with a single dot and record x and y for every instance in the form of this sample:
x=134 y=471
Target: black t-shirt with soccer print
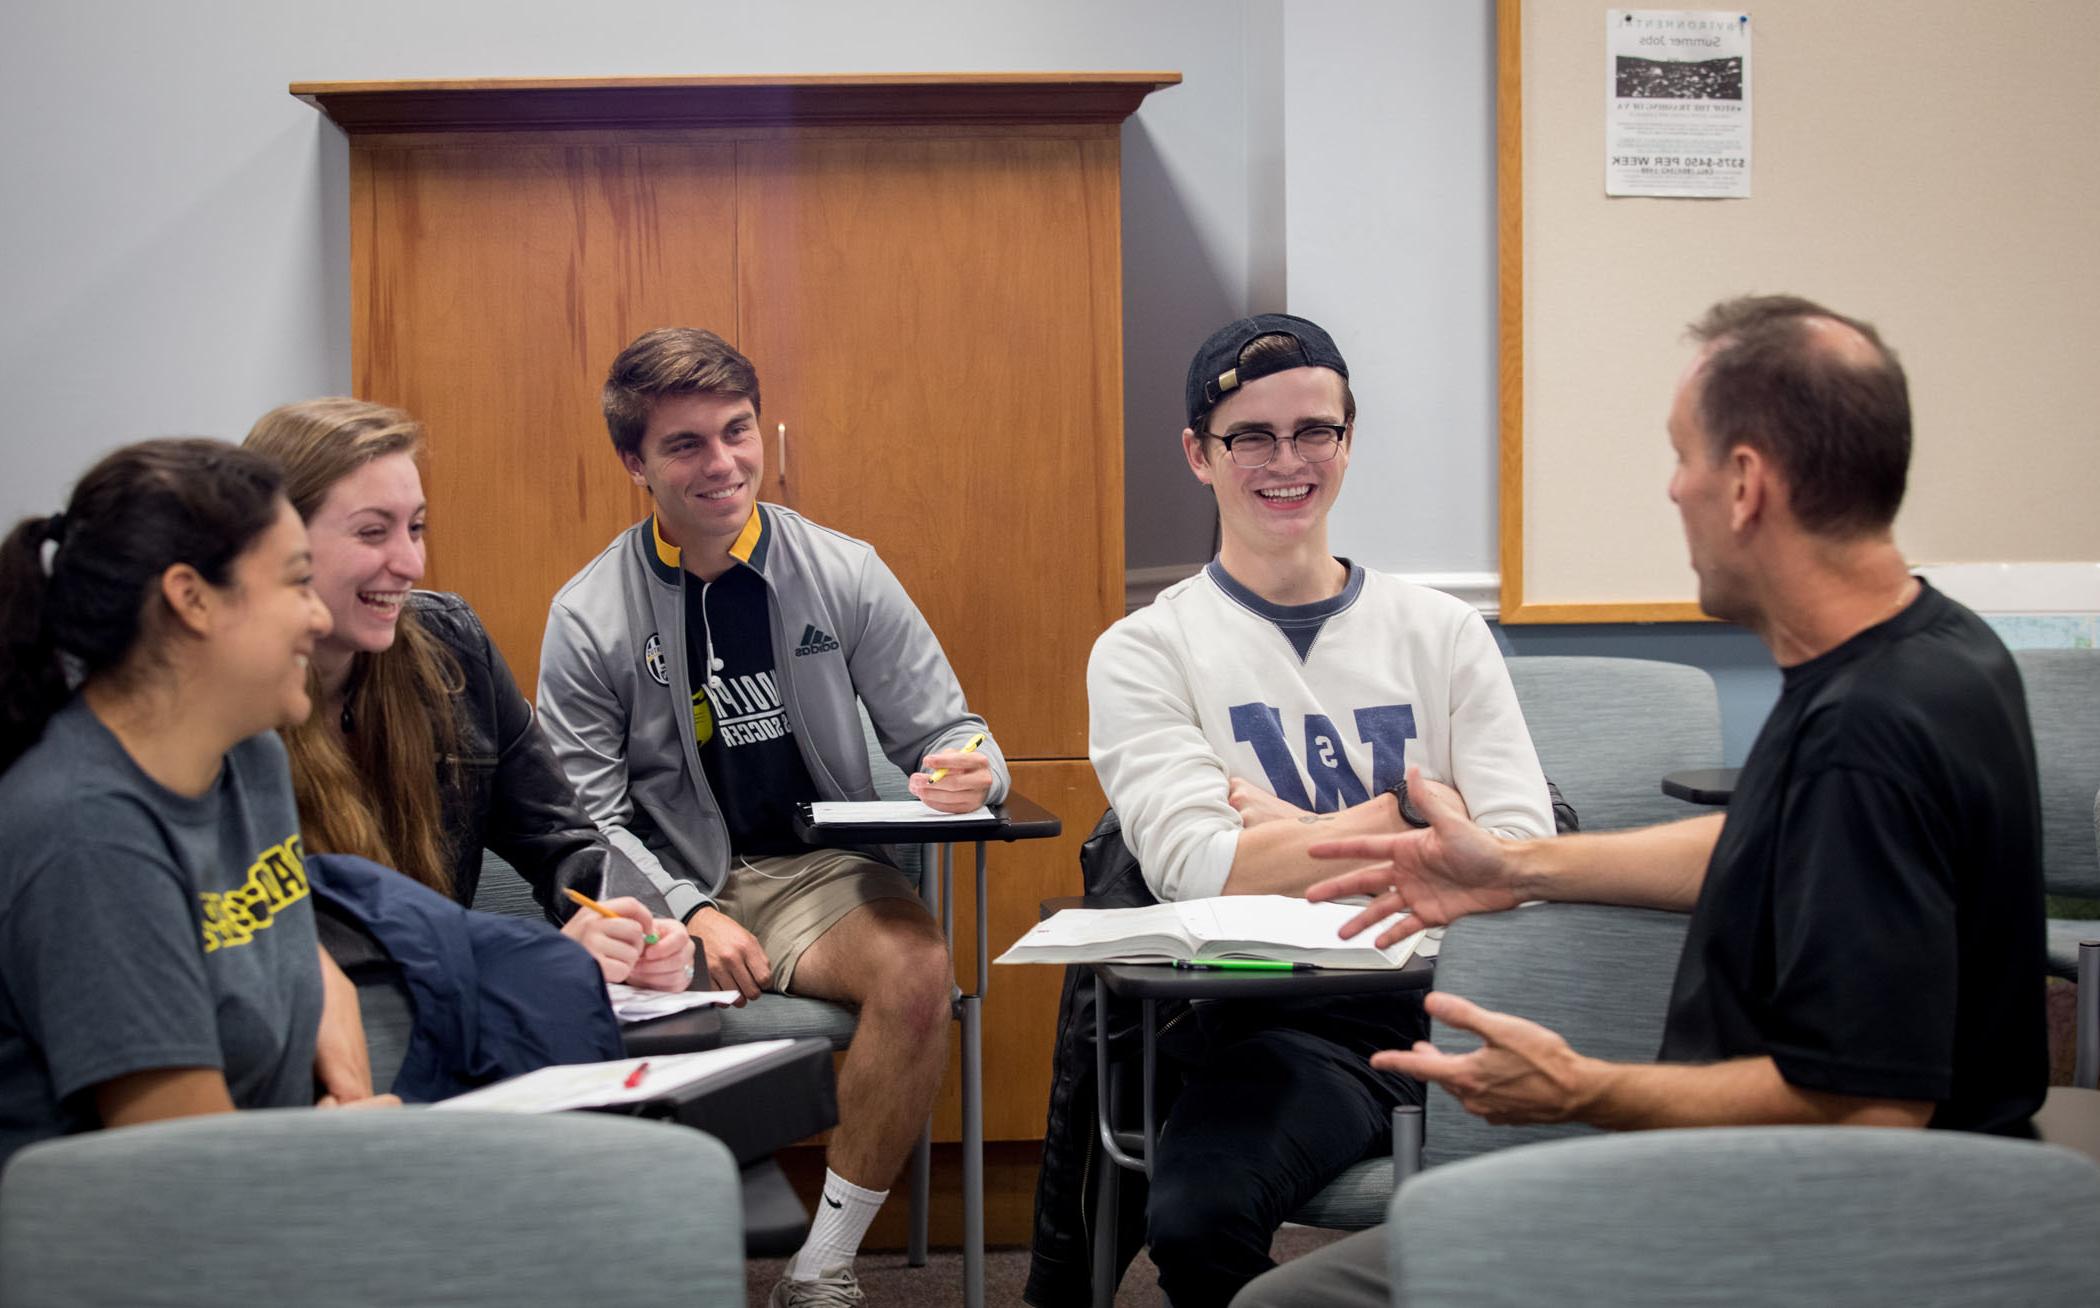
x=747 y=746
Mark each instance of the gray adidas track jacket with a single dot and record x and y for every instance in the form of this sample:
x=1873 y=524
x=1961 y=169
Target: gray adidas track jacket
x=615 y=695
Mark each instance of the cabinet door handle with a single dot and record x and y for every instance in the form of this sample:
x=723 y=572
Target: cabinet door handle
x=783 y=460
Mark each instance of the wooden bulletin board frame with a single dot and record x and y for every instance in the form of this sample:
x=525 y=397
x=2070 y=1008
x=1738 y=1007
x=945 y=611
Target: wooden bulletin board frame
x=1509 y=382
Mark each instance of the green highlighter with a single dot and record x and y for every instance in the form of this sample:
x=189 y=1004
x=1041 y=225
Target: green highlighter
x=1243 y=965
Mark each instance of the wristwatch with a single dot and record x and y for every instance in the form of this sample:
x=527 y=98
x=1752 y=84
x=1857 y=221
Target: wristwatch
x=1408 y=812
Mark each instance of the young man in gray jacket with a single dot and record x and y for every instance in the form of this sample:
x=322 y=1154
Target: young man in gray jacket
x=698 y=680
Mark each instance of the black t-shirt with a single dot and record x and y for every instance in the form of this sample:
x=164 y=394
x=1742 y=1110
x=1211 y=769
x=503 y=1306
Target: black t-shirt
x=747 y=745
x=1872 y=915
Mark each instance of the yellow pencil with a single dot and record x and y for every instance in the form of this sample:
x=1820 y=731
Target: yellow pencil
x=970 y=748
x=601 y=910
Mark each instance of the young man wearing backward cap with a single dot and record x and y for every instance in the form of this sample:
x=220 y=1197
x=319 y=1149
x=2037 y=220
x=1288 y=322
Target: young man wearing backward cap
x=1275 y=699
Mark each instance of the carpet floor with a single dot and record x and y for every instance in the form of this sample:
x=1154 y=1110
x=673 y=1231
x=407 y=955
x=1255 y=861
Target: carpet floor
x=887 y=1280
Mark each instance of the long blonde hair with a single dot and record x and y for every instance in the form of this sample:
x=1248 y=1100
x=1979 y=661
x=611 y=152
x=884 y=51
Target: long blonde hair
x=375 y=787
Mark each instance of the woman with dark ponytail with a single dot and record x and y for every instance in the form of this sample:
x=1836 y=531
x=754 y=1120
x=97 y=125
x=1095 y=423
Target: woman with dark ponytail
x=157 y=949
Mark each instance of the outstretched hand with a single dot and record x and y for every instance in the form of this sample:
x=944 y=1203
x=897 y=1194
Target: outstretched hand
x=1438 y=874
x=1521 y=1073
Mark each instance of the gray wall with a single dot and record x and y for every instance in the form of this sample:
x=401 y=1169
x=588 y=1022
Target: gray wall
x=175 y=242
x=1390 y=184
x=176 y=251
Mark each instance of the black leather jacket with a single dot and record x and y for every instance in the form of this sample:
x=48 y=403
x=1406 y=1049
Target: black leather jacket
x=507 y=793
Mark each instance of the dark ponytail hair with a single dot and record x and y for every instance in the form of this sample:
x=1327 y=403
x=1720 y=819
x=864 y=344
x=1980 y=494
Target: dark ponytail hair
x=140 y=511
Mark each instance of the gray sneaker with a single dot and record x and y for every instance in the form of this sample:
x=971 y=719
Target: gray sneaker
x=836 y=1288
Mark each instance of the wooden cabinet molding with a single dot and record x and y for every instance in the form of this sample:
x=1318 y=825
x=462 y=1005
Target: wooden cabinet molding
x=497 y=104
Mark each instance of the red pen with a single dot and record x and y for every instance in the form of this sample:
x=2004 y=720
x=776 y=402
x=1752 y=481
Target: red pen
x=634 y=1078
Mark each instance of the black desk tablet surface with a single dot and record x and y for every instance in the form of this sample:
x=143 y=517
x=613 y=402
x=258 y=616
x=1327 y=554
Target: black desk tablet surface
x=688 y=1032
x=758 y=1107
x=1710 y=786
x=1017 y=817
x=1149 y=983
x=1162 y=981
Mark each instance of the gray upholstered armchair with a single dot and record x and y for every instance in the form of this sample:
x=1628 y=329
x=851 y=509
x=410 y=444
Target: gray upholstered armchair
x=1792 y=1217
x=336 y=1209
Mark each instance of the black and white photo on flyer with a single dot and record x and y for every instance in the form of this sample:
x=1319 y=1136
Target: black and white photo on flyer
x=1677 y=103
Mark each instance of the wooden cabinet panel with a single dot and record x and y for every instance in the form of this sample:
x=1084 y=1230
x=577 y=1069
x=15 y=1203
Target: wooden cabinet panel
x=498 y=284
x=937 y=324
x=1020 y=1009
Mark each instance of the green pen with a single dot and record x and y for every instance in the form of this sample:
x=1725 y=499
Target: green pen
x=1244 y=965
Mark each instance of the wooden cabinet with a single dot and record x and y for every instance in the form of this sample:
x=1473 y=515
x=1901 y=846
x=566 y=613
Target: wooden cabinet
x=926 y=271
x=938 y=324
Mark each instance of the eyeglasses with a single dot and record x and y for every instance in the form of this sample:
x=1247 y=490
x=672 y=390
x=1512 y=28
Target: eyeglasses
x=1254 y=449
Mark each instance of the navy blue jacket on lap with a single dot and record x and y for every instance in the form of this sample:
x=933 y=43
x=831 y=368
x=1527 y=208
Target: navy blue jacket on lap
x=494 y=996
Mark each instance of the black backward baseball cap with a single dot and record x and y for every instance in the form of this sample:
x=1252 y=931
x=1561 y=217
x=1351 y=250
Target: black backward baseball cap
x=1216 y=371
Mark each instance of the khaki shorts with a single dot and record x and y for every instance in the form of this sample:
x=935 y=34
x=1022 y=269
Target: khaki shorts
x=789 y=901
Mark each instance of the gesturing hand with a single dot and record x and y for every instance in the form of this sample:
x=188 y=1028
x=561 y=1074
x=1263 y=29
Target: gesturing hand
x=1439 y=873
x=1521 y=1073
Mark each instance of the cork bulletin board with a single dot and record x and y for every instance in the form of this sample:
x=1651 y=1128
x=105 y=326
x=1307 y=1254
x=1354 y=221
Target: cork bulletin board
x=1923 y=164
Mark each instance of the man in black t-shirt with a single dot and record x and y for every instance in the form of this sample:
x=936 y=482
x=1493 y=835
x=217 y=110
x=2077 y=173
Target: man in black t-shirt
x=1866 y=936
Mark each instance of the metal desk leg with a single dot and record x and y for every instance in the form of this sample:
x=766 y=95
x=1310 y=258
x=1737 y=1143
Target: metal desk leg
x=973 y=1090
x=921 y=1193
x=2085 y=1071
x=1151 y=1066
x=973 y=1156
x=1102 y=1126
x=1108 y=1193
x=1108 y=1178
x=1407 y=1141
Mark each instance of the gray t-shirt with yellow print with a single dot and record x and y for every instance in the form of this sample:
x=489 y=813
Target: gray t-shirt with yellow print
x=141 y=929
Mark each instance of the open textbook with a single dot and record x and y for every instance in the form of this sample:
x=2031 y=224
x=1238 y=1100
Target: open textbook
x=1199 y=930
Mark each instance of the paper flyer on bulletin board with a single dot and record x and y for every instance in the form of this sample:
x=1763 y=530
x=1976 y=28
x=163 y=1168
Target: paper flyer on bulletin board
x=1677 y=103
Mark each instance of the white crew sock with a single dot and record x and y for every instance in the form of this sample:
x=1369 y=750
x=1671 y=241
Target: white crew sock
x=843 y=1213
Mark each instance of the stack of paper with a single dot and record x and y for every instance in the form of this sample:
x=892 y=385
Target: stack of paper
x=888 y=812
x=598 y=1085
x=631 y=1004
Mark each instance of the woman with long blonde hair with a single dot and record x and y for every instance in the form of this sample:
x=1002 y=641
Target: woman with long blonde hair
x=421 y=751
